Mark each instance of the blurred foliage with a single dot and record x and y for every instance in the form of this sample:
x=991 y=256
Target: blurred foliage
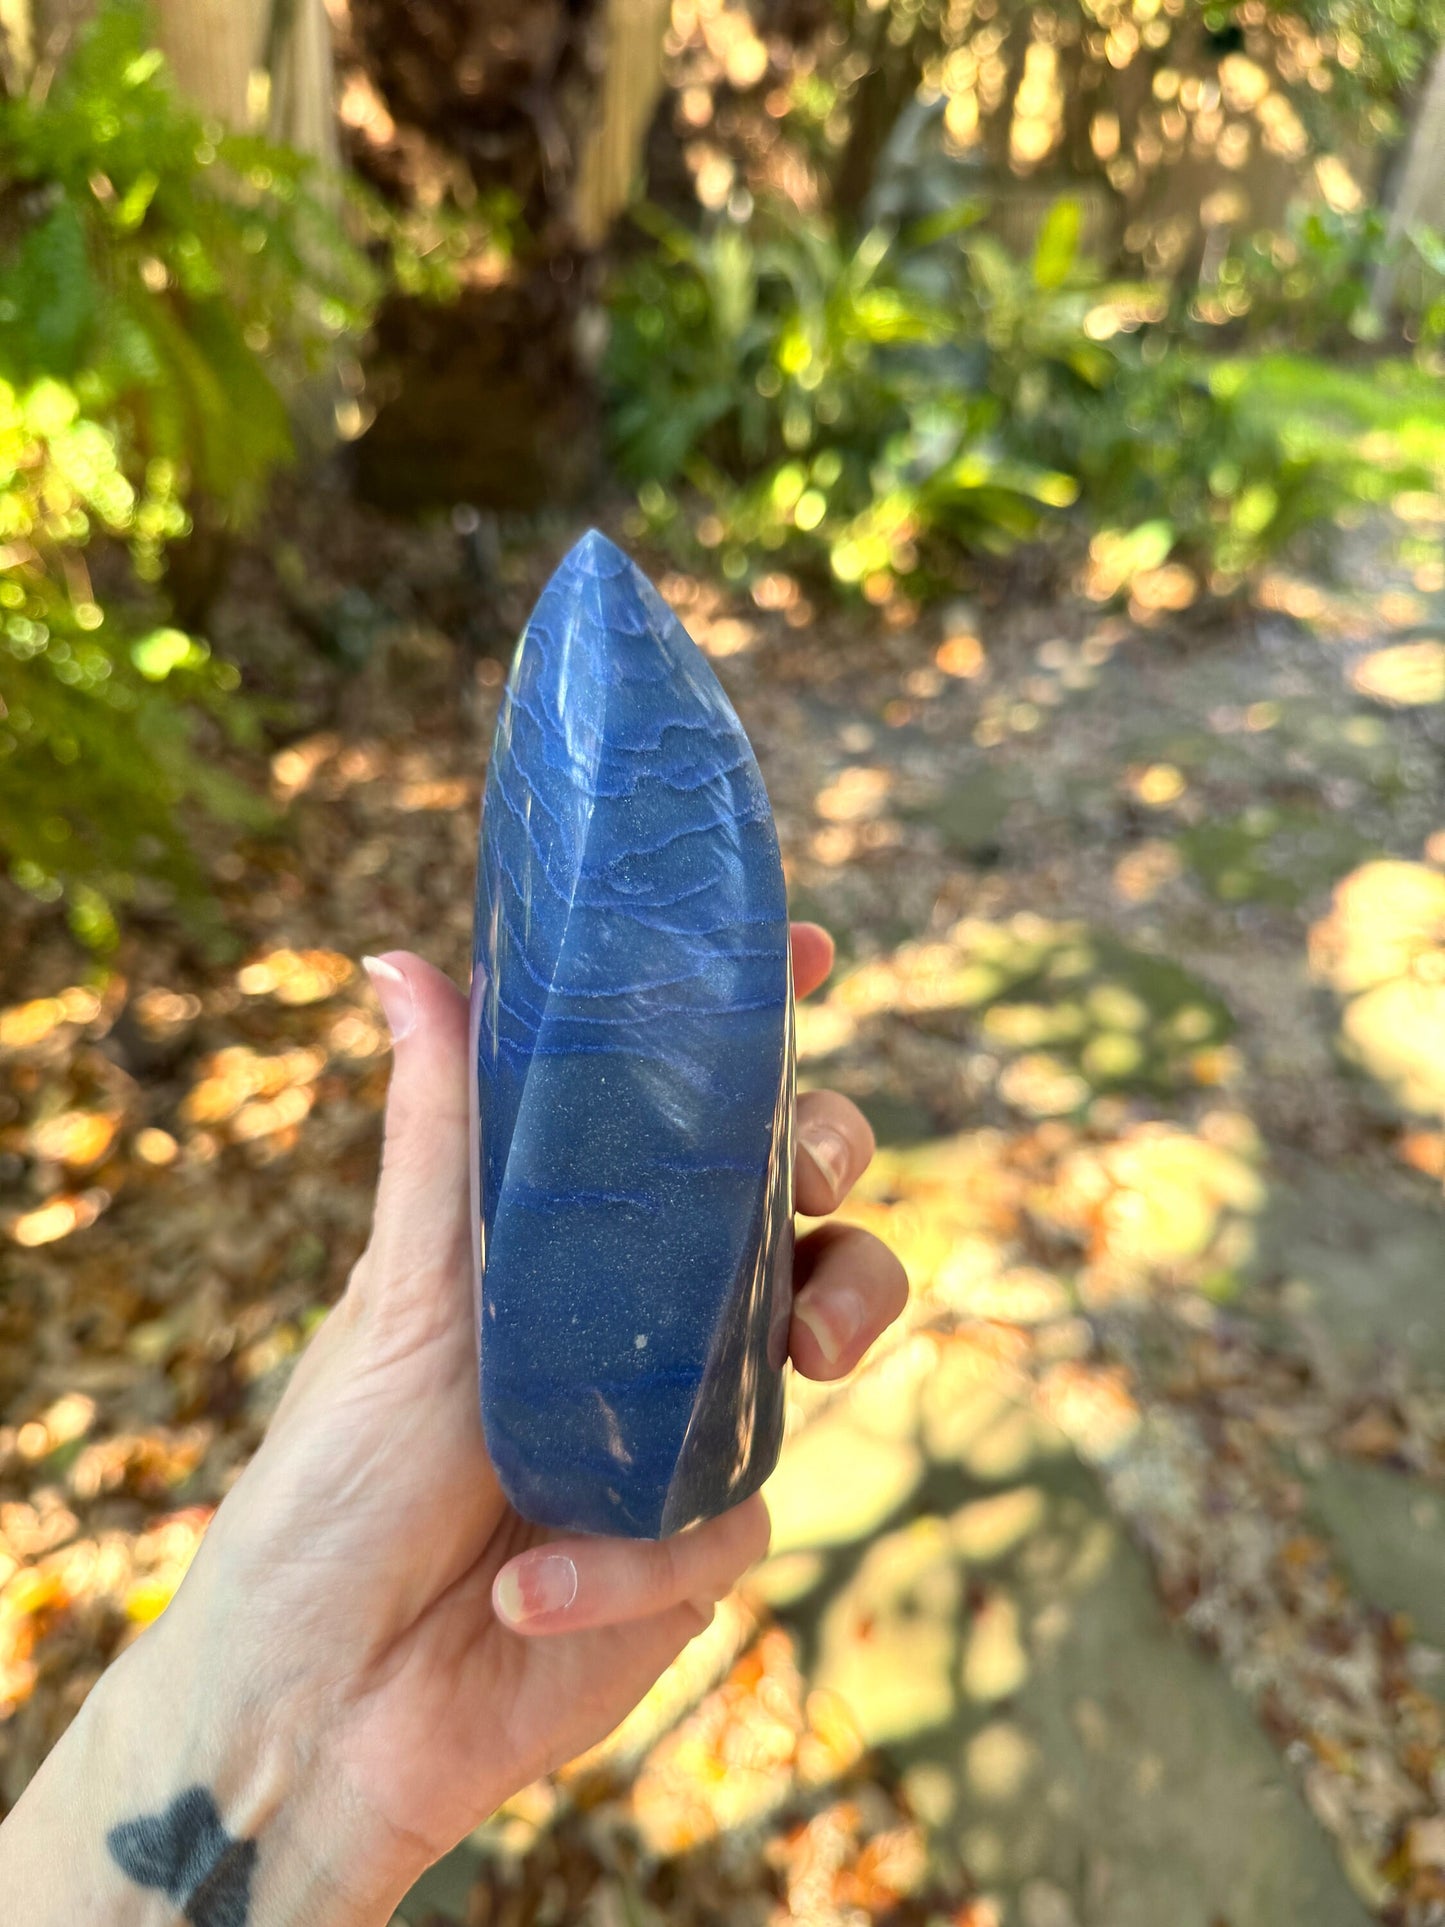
x=98 y=709
x=164 y=286
x=155 y=259
x=1313 y=286
x=1115 y=89
x=1177 y=463
x=1169 y=459
x=825 y=406
x=870 y=411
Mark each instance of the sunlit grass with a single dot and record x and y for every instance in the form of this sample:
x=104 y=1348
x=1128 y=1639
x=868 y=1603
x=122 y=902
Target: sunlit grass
x=1328 y=408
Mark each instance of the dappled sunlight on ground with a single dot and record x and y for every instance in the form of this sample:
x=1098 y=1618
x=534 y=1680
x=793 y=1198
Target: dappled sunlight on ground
x=1059 y=1014
x=188 y=1148
x=1406 y=674
x=1140 y=973
x=1381 y=949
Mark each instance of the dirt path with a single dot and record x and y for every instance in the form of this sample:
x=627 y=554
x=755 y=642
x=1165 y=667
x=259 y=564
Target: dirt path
x=1110 y=1591
x=1195 y=1241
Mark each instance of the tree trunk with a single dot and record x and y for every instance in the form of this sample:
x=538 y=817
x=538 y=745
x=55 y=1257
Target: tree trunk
x=17 y=45
x=242 y=59
x=250 y=63
x=489 y=401
x=214 y=49
x=632 y=80
x=1420 y=195
x=882 y=94
x=499 y=92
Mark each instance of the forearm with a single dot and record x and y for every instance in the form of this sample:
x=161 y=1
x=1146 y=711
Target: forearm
x=157 y=1807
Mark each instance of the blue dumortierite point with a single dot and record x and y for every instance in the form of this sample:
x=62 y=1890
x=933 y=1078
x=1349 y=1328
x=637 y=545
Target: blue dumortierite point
x=632 y=1017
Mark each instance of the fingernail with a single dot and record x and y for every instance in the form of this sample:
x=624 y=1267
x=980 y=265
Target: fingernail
x=835 y=1320
x=829 y=1151
x=393 y=993
x=529 y=1587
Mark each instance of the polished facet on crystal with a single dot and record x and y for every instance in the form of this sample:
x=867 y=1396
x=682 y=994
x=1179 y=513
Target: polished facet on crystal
x=632 y=1032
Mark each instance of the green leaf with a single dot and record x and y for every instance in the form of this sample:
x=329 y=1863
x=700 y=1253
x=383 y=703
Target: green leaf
x=1143 y=548
x=163 y=650
x=138 y=197
x=50 y=294
x=1056 y=251
x=948 y=221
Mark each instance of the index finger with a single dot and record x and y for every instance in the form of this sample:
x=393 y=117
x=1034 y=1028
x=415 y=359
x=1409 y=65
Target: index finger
x=812 y=957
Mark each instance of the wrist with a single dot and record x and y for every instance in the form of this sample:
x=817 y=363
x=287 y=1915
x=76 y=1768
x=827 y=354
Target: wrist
x=173 y=1797
x=261 y=1754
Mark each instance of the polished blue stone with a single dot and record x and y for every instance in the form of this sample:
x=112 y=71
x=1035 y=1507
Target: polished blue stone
x=633 y=1039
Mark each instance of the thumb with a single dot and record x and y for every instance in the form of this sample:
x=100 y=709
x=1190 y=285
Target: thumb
x=420 y=1242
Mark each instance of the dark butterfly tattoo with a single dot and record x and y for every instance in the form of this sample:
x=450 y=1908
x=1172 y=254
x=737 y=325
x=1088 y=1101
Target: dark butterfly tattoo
x=189 y=1855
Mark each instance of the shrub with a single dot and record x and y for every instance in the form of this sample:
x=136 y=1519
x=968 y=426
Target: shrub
x=880 y=409
x=162 y=286
x=98 y=711
x=1313 y=286
x=826 y=407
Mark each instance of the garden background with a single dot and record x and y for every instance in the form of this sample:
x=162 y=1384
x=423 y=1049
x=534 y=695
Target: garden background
x=1035 y=412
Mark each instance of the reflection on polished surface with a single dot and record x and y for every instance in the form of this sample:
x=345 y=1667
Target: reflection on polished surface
x=631 y=1008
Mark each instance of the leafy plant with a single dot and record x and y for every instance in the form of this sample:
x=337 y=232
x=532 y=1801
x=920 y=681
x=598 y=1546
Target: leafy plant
x=879 y=407
x=1422 y=286
x=163 y=286
x=824 y=406
x=184 y=275
x=1179 y=451
x=1313 y=286
x=97 y=710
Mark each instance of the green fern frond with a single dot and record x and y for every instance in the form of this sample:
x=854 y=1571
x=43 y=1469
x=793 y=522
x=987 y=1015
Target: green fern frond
x=165 y=289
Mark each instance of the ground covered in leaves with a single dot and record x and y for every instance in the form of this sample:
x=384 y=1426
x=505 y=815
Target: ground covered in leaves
x=1106 y=1592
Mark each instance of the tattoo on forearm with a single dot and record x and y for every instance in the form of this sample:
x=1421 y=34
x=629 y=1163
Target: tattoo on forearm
x=187 y=1853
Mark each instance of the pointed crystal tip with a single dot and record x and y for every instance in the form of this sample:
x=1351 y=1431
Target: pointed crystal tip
x=594 y=550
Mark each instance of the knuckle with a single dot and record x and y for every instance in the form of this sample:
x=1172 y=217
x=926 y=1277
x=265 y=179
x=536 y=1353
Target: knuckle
x=669 y=1575
x=699 y=1615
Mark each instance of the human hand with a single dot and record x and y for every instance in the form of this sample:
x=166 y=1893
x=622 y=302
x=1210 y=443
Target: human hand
x=370 y=1636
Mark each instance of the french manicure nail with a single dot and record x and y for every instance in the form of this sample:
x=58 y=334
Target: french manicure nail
x=834 y=1320
x=829 y=1152
x=393 y=993
x=530 y=1587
